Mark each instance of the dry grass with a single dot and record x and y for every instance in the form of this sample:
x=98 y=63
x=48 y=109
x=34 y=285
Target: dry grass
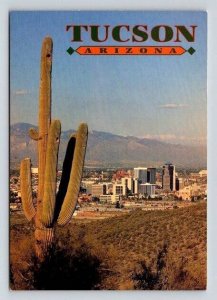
x=123 y=252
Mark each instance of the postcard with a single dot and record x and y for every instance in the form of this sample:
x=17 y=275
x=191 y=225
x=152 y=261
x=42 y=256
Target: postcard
x=108 y=150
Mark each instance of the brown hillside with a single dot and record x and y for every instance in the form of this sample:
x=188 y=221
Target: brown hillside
x=141 y=250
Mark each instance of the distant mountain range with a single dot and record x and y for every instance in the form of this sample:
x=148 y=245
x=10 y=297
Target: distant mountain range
x=110 y=150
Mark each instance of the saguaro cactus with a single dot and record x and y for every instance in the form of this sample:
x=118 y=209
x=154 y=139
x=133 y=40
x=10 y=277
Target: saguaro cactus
x=51 y=208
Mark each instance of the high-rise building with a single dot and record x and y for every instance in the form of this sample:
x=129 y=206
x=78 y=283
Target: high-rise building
x=151 y=175
x=168 y=177
x=140 y=176
x=147 y=189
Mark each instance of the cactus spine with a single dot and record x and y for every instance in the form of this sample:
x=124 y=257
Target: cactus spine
x=51 y=209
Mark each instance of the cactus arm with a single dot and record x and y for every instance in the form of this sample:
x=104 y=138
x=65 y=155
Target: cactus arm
x=26 y=189
x=49 y=198
x=66 y=170
x=44 y=113
x=71 y=196
x=33 y=133
x=67 y=165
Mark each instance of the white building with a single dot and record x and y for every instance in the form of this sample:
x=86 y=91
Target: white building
x=98 y=189
x=203 y=173
x=147 y=189
x=105 y=198
x=34 y=170
x=119 y=189
x=192 y=190
x=140 y=176
x=128 y=181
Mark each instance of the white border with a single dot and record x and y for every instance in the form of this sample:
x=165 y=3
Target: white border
x=211 y=7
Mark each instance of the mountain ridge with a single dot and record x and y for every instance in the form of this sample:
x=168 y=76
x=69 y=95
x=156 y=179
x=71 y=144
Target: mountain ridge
x=106 y=149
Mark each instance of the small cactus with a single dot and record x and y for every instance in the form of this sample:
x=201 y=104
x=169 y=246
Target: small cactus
x=51 y=208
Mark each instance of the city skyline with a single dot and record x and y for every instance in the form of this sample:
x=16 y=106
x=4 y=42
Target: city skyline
x=161 y=98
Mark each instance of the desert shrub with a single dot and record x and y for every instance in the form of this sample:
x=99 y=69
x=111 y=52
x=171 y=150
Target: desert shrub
x=149 y=277
x=67 y=269
x=115 y=248
x=21 y=263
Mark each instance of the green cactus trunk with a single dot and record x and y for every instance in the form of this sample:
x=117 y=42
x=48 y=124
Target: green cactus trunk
x=51 y=208
x=41 y=235
x=44 y=113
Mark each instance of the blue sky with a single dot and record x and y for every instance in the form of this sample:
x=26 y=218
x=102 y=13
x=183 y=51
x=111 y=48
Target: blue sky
x=156 y=97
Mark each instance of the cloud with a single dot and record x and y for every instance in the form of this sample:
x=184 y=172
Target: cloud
x=21 y=92
x=161 y=137
x=176 y=139
x=173 y=106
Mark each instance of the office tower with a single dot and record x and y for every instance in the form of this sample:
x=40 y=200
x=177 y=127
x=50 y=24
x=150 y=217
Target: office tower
x=147 y=189
x=168 y=177
x=151 y=175
x=140 y=176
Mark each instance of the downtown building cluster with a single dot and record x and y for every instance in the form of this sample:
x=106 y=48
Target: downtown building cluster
x=141 y=182
x=111 y=186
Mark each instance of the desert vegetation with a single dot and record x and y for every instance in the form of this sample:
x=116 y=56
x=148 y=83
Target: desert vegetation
x=52 y=208
x=140 y=250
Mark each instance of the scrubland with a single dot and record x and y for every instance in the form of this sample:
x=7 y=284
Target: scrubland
x=155 y=250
